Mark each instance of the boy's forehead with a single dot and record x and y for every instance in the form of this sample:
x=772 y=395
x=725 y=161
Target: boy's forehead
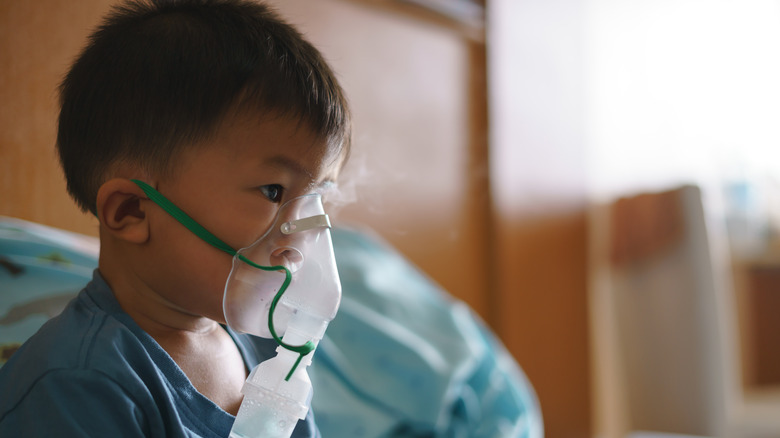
x=316 y=170
x=276 y=141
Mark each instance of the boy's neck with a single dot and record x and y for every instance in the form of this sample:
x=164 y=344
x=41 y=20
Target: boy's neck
x=158 y=318
x=202 y=349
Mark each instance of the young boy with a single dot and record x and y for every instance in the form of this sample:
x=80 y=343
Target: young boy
x=228 y=112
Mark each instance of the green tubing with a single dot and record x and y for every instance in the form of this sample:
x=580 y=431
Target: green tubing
x=302 y=350
x=184 y=218
x=214 y=241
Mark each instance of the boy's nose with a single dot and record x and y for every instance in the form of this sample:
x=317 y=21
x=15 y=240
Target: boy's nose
x=288 y=257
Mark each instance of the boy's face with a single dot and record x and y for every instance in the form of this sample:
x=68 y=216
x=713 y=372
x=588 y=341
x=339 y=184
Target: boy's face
x=233 y=186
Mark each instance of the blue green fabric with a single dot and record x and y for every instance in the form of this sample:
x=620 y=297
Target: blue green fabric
x=405 y=359
x=401 y=359
x=41 y=269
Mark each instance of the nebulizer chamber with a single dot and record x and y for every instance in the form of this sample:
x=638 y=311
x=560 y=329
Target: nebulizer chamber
x=286 y=287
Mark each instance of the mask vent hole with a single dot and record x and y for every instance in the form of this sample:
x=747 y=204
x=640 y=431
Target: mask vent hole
x=290 y=258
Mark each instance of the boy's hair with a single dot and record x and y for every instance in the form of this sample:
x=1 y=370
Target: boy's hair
x=160 y=75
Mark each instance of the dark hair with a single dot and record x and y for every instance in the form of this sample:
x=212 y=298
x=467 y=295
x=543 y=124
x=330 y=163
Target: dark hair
x=160 y=75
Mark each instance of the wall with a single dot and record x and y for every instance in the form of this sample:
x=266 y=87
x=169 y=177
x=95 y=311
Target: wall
x=537 y=100
x=681 y=92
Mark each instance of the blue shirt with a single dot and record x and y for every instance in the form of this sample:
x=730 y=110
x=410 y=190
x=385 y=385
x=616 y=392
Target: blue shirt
x=92 y=371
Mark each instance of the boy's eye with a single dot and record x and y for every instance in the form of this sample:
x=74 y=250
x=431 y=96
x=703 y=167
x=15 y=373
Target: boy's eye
x=273 y=192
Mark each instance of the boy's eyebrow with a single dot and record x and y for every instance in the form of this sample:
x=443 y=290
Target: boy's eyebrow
x=290 y=164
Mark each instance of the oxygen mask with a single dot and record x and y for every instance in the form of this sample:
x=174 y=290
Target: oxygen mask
x=294 y=256
x=286 y=287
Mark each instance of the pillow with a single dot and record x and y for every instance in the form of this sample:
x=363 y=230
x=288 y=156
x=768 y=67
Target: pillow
x=403 y=358
x=41 y=269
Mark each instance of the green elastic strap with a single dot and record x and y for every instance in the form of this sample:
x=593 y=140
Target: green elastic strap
x=214 y=241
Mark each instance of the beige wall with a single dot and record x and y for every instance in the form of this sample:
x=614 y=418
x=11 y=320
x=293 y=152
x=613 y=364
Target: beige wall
x=538 y=157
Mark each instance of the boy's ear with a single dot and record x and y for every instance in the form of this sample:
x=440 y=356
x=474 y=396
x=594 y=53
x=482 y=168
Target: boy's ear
x=120 y=210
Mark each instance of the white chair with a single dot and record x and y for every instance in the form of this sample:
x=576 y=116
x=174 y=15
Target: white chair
x=666 y=356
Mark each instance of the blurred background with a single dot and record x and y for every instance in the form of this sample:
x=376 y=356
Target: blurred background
x=597 y=179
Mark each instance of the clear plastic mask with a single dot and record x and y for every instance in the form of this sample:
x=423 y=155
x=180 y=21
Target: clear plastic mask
x=288 y=273
x=298 y=242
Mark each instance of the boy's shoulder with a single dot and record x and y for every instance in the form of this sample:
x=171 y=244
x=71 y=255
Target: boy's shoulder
x=68 y=339
x=85 y=339
x=86 y=371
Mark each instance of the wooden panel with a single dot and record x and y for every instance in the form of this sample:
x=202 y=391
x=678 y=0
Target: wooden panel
x=542 y=314
x=461 y=16
x=37 y=41
x=418 y=173
x=763 y=306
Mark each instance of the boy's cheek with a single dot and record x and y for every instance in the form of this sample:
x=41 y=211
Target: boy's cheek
x=199 y=270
